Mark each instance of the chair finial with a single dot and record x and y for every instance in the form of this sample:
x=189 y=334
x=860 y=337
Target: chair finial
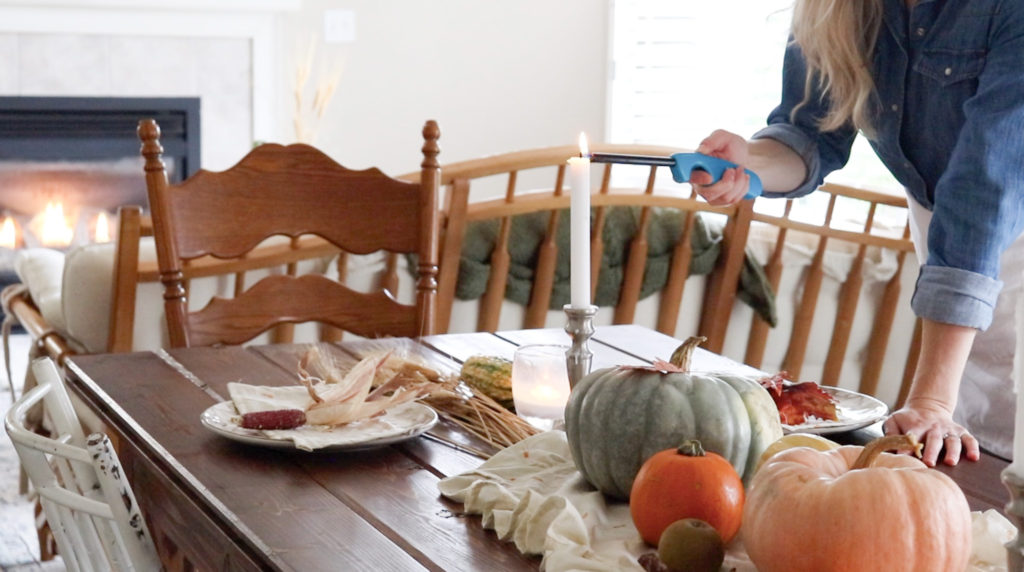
x=149 y=133
x=431 y=133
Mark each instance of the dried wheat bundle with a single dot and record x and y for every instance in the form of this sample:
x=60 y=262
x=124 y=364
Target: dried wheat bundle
x=457 y=402
x=323 y=92
x=480 y=415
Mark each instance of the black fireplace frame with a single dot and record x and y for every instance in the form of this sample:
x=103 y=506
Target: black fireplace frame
x=98 y=128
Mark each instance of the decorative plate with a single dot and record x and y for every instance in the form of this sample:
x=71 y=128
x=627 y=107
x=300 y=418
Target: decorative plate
x=399 y=423
x=855 y=410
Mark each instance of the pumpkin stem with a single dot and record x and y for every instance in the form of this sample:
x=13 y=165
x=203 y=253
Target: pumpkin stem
x=683 y=355
x=691 y=448
x=886 y=443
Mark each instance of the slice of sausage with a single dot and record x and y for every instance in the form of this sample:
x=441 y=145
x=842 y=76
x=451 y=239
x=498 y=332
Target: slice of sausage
x=274 y=419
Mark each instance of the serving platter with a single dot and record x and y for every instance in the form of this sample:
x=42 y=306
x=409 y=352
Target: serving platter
x=854 y=410
x=400 y=423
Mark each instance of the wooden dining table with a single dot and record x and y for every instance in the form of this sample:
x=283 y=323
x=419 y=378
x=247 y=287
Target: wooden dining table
x=215 y=503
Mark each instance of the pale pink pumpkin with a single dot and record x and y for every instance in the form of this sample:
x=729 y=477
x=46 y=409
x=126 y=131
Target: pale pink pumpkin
x=841 y=510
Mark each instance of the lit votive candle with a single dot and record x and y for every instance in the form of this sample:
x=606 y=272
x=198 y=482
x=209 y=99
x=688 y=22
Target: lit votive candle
x=540 y=384
x=8 y=233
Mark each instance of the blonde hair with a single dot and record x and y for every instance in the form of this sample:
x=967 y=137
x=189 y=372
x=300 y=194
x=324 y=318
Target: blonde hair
x=837 y=38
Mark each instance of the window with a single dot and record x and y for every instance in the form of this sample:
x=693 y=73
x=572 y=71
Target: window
x=683 y=68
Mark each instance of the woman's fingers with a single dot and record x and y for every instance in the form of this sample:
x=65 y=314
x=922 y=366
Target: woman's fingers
x=971 y=447
x=933 y=443
x=725 y=145
x=954 y=447
x=937 y=435
x=730 y=189
x=733 y=185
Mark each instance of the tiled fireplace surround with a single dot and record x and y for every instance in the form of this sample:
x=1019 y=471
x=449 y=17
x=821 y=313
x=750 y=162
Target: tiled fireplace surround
x=224 y=51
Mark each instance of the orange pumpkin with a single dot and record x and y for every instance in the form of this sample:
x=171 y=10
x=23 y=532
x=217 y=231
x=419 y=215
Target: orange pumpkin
x=854 y=509
x=686 y=483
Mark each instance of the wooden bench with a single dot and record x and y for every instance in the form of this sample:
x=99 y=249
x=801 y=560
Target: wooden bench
x=843 y=304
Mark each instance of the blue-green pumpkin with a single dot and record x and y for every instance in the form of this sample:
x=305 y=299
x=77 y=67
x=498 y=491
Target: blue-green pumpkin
x=617 y=417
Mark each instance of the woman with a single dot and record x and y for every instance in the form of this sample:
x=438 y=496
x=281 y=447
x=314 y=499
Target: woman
x=937 y=87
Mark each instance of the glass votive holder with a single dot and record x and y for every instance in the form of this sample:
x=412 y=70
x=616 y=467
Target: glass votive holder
x=540 y=384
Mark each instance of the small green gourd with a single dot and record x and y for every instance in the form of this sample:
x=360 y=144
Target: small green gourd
x=491 y=376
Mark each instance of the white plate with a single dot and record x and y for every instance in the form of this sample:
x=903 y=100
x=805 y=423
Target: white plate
x=854 y=410
x=398 y=424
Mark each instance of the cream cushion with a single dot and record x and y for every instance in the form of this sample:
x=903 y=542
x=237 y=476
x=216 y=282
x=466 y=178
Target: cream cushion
x=86 y=284
x=73 y=292
x=41 y=270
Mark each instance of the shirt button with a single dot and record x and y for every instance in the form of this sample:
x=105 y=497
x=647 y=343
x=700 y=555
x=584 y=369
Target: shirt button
x=949 y=71
x=895 y=107
x=919 y=32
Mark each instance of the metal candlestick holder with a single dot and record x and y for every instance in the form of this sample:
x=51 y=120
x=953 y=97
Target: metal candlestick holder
x=580 y=327
x=1015 y=512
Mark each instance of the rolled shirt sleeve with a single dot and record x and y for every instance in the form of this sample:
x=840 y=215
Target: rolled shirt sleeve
x=955 y=296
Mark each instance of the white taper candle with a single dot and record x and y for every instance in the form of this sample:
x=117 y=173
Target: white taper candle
x=579 y=228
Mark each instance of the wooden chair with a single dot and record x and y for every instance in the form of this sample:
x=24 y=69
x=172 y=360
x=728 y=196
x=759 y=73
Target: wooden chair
x=865 y=309
x=296 y=192
x=131 y=270
x=543 y=191
x=89 y=507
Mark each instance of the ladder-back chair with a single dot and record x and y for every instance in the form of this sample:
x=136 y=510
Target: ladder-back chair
x=298 y=193
x=88 y=504
x=533 y=181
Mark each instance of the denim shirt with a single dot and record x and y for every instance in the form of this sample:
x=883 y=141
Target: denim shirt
x=949 y=116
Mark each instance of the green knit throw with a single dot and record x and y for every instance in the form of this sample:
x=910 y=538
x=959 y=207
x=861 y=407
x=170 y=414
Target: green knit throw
x=621 y=223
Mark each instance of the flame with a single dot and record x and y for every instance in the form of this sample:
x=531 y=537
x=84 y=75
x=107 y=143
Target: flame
x=56 y=230
x=8 y=234
x=584 y=149
x=102 y=233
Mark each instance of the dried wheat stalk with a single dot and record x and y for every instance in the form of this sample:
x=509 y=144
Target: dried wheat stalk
x=480 y=415
x=323 y=92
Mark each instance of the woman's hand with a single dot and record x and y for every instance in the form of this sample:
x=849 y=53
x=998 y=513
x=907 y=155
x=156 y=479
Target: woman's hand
x=780 y=168
x=928 y=411
x=933 y=425
x=733 y=185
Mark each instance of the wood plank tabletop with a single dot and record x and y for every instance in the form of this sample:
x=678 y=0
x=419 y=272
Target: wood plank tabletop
x=219 y=504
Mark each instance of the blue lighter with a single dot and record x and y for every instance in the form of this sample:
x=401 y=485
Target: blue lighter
x=682 y=164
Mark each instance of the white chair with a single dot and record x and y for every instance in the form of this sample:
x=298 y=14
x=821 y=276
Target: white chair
x=87 y=502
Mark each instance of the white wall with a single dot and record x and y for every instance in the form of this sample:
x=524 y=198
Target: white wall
x=497 y=76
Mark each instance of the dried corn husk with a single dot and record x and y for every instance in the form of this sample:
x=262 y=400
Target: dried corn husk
x=340 y=398
x=394 y=374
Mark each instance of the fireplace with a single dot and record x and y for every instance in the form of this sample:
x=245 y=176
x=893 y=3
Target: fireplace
x=68 y=163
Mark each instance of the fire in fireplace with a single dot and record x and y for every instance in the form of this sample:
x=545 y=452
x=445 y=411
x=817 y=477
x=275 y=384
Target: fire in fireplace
x=68 y=163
